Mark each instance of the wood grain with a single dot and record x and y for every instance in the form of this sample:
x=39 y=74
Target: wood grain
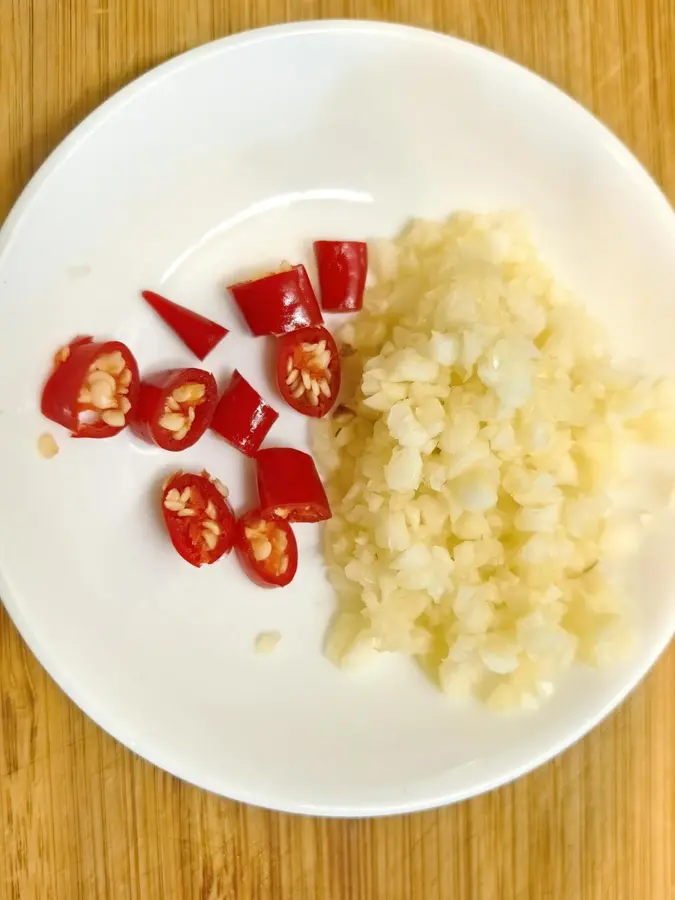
x=80 y=816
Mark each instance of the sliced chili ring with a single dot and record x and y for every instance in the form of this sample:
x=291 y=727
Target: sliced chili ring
x=289 y=486
x=342 y=267
x=93 y=387
x=175 y=407
x=308 y=370
x=267 y=549
x=198 y=517
x=197 y=332
x=278 y=303
x=242 y=417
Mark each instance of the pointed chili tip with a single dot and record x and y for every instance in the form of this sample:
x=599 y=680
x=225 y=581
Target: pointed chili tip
x=197 y=332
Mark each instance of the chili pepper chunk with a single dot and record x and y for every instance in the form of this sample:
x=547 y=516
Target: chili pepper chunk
x=197 y=332
x=175 y=407
x=92 y=388
x=242 y=417
x=289 y=486
x=278 y=303
x=198 y=517
x=308 y=371
x=267 y=549
x=342 y=267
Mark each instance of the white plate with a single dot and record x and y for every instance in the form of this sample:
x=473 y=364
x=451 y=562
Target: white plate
x=239 y=154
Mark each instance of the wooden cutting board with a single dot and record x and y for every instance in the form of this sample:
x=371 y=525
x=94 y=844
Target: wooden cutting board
x=80 y=816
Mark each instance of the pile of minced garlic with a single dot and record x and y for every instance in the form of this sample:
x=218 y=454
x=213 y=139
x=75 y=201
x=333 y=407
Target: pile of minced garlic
x=472 y=462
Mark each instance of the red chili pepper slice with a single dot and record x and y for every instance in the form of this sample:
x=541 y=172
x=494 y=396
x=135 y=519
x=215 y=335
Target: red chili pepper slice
x=343 y=267
x=175 y=407
x=289 y=486
x=278 y=303
x=267 y=549
x=308 y=371
x=242 y=417
x=197 y=332
x=93 y=387
x=198 y=517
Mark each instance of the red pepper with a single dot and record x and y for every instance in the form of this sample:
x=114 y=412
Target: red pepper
x=199 y=519
x=343 y=267
x=175 y=407
x=93 y=387
x=242 y=417
x=278 y=303
x=289 y=486
x=267 y=549
x=308 y=370
x=197 y=332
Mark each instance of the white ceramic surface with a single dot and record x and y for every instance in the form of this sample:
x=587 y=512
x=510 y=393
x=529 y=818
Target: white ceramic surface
x=239 y=154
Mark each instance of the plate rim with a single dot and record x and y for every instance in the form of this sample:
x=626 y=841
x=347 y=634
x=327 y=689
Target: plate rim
x=12 y=227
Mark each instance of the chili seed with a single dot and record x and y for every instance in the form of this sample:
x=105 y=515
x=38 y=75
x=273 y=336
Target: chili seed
x=88 y=416
x=292 y=377
x=214 y=527
x=174 y=505
x=267 y=641
x=117 y=364
x=280 y=540
x=111 y=362
x=125 y=405
x=220 y=487
x=114 y=418
x=298 y=392
x=102 y=396
x=306 y=379
x=97 y=376
x=172 y=421
x=283 y=566
x=289 y=365
x=313 y=399
x=182 y=394
x=47 y=446
x=125 y=377
x=189 y=393
x=185 y=496
x=323 y=387
x=210 y=510
x=210 y=540
x=261 y=549
x=185 y=513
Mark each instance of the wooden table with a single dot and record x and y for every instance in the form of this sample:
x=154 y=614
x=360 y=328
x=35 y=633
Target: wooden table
x=80 y=816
